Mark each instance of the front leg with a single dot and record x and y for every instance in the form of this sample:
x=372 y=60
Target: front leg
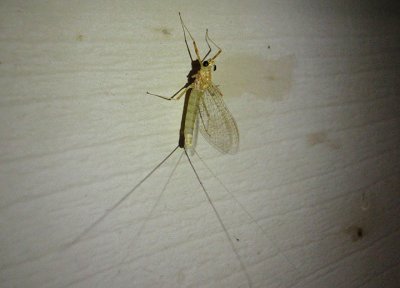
x=176 y=96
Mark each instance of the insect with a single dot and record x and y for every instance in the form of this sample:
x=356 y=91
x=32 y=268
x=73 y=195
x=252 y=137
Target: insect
x=204 y=106
x=204 y=110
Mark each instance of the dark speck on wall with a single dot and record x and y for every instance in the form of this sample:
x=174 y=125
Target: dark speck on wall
x=79 y=37
x=360 y=232
x=355 y=232
x=165 y=31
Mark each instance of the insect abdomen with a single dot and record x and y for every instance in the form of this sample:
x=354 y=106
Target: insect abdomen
x=191 y=115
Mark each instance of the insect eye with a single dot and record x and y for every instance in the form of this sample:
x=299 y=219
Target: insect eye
x=215 y=67
x=205 y=63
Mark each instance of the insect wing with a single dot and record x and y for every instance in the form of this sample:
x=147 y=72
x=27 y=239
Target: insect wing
x=216 y=123
x=195 y=135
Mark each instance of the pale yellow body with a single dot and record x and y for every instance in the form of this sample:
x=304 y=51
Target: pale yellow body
x=191 y=116
x=201 y=83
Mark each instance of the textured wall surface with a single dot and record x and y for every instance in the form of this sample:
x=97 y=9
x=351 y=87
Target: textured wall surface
x=310 y=200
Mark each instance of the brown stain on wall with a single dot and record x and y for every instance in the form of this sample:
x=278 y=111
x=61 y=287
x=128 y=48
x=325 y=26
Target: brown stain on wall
x=321 y=138
x=316 y=138
x=270 y=79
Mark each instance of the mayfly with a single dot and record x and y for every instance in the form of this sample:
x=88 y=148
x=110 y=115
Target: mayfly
x=205 y=110
x=204 y=104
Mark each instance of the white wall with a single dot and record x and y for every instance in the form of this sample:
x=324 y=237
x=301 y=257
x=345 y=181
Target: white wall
x=313 y=86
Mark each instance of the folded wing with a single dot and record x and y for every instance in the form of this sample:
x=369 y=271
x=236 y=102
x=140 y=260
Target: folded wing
x=216 y=123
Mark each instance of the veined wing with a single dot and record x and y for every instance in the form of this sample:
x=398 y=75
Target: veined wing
x=195 y=135
x=216 y=123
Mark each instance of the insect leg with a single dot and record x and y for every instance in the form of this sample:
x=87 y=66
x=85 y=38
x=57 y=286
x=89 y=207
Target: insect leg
x=209 y=47
x=176 y=96
x=219 y=48
x=184 y=36
x=191 y=37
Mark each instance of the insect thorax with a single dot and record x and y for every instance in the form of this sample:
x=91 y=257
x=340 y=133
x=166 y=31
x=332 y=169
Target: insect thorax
x=203 y=79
